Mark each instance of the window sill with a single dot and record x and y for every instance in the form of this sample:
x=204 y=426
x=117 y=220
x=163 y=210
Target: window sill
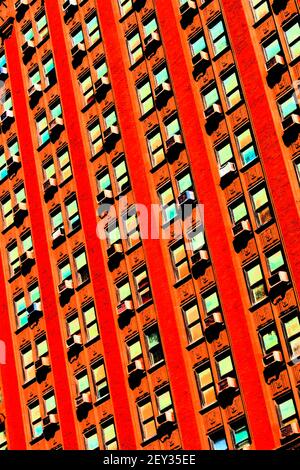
x=132 y=248
x=217 y=56
x=195 y=343
x=138 y=62
x=182 y=281
x=6 y=229
x=21 y=328
x=75 y=230
x=35 y=440
x=261 y=228
x=156 y=366
x=147 y=114
x=92 y=341
x=82 y=285
x=248 y=165
x=65 y=181
x=123 y=192
x=43 y=145
x=42 y=41
x=294 y=61
x=100 y=401
x=88 y=105
x=148 y=441
x=207 y=408
x=95 y=44
x=142 y=307
x=124 y=17
x=203 y=5
x=96 y=155
x=14 y=277
x=28 y=383
x=158 y=166
x=259 y=304
x=234 y=107
x=258 y=22
x=293 y=361
x=166 y=224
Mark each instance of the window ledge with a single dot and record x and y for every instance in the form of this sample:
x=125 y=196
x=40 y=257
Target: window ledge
x=88 y=105
x=207 y=408
x=234 y=107
x=165 y=225
x=147 y=114
x=257 y=23
x=293 y=361
x=156 y=366
x=124 y=17
x=14 y=277
x=122 y=193
x=6 y=229
x=248 y=165
x=96 y=155
x=65 y=181
x=259 y=304
x=99 y=401
x=144 y=306
x=261 y=228
x=195 y=343
x=146 y=442
x=42 y=41
x=217 y=56
x=21 y=328
x=158 y=166
x=82 y=285
x=138 y=62
x=42 y=146
x=95 y=44
x=183 y=280
x=28 y=383
x=92 y=341
x=133 y=247
x=36 y=439
x=75 y=230
x=294 y=61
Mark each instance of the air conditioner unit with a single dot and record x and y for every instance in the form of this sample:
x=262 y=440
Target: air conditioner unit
x=69 y=7
x=50 y=419
x=290 y=430
x=78 y=51
x=187 y=197
x=35 y=90
x=7 y=117
x=114 y=250
x=21 y=5
x=28 y=48
x=55 y=126
x=162 y=92
x=213 y=112
x=279 y=278
x=27 y=256
x=200 y=256
x=125 y=307
x=84 y=399
x=135 y=367
x=200 y=60
x=65 y=287
x=110 y=134
x=42 y=363
x=58 y=236
x=105 y=197
x=74 y=341
x=13 y=164
x=3 y=73
x=213 y=320
x=226 y=170
x=275 y=63
x=34 y=311
x=50 y=186
x=174 y=143
x=291 y=122
x=188 y=9
x=166 y=418
x=20 y=212
x=226 y=385
x=241 y=228
x=101 y=85
x=273 y=359
x=6 y=27
x=151 y=42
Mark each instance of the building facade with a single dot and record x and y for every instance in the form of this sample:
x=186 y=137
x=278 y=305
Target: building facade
x=127 y=341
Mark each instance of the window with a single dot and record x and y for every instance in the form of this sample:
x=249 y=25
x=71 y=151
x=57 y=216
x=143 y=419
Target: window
x=121 y=175
x=42 y=129
x=255 y=283
x=164 y=401
x=260 y=8
x=134 y=349
x=110 y=118
x=50 y=403
x=240 y=435
x=26 y=241
x=232 y=89
x=103 y=181
x=291 y=327
x=3 y=440
x=90 y=322
x=13 y=259
x=72 y=213
x=147 y=420
x=13 y=146
x=123 y=291
x=35 y=76
x=113 y=234
x=288 y=106
x=49 y=170
x=297 y=169
x=218 y=36
x=65 y=271
x=269 y=339
x=57 y=220
x=246 y=146
x=125 y=6
x=142 y=285
x=82 y=382
x=206 y=385
x=197 y=44
x=145 y=96
x=155 y=147
x=34 y=293
x=81 y=265
x=28 y=364
x=77 y=37
x=210 y=97
x=172 y=127
x=155 y=352
x=224 y=366
x=86 y=86
x=286 y=410
x=109 y=436
x=238 y=211
x=197 y=239
x=93 y=30
x=7 y=104
x=35 y=419
x=91 y=440
x=161 y=75
x=49 y=69
x=101 y=69
x=2 y=58
x=73 y=325
x=224 y=153
x=292 y=36
x=211 y=303
x=134 y=46
x=42 y=26
x=28 y=32
x=271 y=49
x=64 y=164
x=179 y=260
x=150 y=26
x=3 y=165
x=192 y=322
x=261 y=206
x=131 y=227
x=184 y=182
x=20 y=195
x=218 y=441
x=167 y=203
x=95 y=136
x=275 y=261
x=100 y=380
x=20 y=310
x=56 y=110
x=7 y=212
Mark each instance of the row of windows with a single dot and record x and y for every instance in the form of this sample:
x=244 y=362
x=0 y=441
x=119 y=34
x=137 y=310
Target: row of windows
x=108 y=435
x=36 y=30
x=90 y=33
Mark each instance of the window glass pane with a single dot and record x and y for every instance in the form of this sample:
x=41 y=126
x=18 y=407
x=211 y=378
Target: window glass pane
x=275 y=261
x=272 y=49
x=254 y=275
x=225 y=366
x=225 y=154
x=239 y=212
x=197 y=45
x=270 y=340
x=211 y=302
x=150 y=27
x=91 y=442
x=211 y=97
x=287 y=409
x=288 y=106
x=292 y=327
